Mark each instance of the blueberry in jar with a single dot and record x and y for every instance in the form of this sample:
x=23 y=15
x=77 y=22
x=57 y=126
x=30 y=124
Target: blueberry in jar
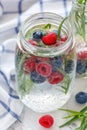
x=56 y=62
x=36 y=77
x=37 y=35
x=81 y=67
x=69 y=66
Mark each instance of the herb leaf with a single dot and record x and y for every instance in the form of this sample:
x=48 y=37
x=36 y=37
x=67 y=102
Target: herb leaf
x=69 y=122
x=82 y=1
x=82 y=115
x=66 y=82
x=26 y=85
x=60 y=27
x=47 y=26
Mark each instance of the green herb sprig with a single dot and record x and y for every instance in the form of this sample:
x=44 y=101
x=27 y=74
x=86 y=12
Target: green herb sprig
x=47 y=26
x=66 y=82
x=82 y=1
x=75 y=115
x=60 y=27
x=80 y=18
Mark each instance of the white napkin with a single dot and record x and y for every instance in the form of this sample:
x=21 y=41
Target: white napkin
x=12 y=13
x=11 y=19
x=10 y=105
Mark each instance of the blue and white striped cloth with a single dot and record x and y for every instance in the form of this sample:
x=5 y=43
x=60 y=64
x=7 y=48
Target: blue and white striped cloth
x=12 y=13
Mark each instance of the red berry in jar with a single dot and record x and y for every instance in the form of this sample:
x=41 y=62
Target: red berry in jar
x=63 y=38
x=50 y=38
x=46 y=121
x=82 y=55
x=32 y=42
x=29 y=65
x=55 y=77
x=44 y=69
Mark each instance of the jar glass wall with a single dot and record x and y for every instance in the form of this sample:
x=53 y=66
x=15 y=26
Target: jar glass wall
x=78 y=20
x=45 y=63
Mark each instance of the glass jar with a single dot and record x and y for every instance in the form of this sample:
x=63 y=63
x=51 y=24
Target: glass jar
x=78 y=20
x=45 y=70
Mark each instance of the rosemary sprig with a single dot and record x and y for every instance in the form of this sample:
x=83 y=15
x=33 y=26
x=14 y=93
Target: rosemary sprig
x=48 y=26
x=82 y=1
x=75 y=115
x=66 y=82
x=80 y=19
x=26 y=85
x=60 y=27
x=83 y=125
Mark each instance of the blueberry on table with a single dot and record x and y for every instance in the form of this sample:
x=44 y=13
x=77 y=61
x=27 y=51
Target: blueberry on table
x=81 y=97
x=37 y=35
x=81 y=67
x=36 y=77
x=69 y=66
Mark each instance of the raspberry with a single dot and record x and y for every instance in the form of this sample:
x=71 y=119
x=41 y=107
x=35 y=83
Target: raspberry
x=29 y=65
x=46 y=121
x=44 y=69
x=49 y=39
x=32 y=42
x=81 y=97
x=82 y=55
x=63 y=38
x=55 y=77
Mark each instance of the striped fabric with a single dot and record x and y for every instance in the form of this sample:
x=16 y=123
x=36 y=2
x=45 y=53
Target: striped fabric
x=12 y=13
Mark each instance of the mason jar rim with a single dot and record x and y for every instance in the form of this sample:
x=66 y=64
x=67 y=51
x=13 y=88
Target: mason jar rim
x=52 y=50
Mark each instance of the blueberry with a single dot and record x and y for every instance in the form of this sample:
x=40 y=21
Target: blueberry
x=56 y=62
x=37 y=35
x=81 y=97
x=69 y=66
x=81 y=67
x=37 y=78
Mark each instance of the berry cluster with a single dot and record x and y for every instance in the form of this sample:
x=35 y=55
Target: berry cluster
x=41 y=69
x=46 y=37
x=49 y=38
x=50 y=69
